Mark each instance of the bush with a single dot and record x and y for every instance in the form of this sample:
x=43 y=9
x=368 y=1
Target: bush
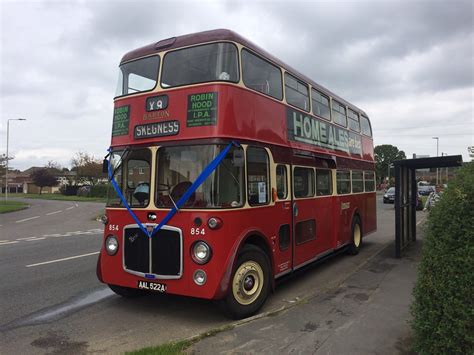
x=443 y=308
x=98 y=191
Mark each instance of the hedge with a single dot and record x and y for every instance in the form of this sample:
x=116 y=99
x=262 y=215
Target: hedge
x=443 y=307
x=99 y=191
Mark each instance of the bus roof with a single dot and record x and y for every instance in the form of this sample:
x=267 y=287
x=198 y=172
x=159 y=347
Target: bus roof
x=225 y=35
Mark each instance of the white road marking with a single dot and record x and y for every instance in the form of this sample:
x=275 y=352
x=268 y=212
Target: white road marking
x=76 y=205
x=26 y=238
x=69 y=208
x=13 y=242
x=34 y=239
x=51 y=213
x=27 y=219
x=63 y=259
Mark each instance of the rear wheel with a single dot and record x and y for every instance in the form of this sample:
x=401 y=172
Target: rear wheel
x=250 y=283
x=356 y=241
x=126 y=291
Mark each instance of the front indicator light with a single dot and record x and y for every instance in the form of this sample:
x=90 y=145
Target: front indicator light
x=214 y=222
x=201 y=252
x=200 y=277
x=111 y=245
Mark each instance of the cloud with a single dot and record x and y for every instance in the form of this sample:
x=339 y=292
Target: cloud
x=408 y=64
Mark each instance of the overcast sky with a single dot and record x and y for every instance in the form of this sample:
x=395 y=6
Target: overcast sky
x=408 y=64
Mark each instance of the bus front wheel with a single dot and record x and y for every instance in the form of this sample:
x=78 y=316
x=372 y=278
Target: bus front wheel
x=250 y=283
x=356 y=240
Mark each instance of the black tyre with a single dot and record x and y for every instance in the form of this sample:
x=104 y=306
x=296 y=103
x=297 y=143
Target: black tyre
x=356 y=240
x=250 y=283
x=126 y=291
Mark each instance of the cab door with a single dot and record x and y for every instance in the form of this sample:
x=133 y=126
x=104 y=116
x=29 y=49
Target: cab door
x=283 y=248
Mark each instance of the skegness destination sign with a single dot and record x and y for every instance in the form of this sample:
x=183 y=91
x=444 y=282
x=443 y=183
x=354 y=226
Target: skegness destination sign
x=310 y=130
x=156 y=129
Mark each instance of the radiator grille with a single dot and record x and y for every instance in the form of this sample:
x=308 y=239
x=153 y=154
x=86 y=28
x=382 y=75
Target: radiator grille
x=160 y=255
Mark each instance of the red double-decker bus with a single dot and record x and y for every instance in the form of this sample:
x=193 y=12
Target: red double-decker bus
x=294 y=181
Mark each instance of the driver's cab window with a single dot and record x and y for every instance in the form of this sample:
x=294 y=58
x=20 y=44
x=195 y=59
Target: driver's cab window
x=137 y=188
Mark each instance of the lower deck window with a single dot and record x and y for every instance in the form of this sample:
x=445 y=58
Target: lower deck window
x=303 y=182
x=323 y=182
x=258 y=176
x=343 y=182
x=357 y=181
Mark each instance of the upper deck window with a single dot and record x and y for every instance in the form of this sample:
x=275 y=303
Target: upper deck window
x=320 y=104
x=354 y=121
x=297 y=92
x=339 y=113
x=137 y=76
x=262 y=76
x=365 y=125
x=200 y=64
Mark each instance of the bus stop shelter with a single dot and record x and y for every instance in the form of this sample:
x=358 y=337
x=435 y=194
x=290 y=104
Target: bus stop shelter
x=406 y=191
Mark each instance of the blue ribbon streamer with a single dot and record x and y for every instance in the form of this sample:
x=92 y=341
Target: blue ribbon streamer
x=198 y=182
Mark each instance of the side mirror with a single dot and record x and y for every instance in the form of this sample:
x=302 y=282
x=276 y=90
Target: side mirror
x=105 y=166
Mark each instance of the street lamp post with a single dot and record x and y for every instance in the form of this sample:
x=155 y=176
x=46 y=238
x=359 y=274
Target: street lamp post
x=437 y=154
x=8 y=137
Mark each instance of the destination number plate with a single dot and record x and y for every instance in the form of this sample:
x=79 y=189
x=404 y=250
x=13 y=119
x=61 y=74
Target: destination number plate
x=152 y=286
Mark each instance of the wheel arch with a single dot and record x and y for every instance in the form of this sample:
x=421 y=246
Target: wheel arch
x=252 y=237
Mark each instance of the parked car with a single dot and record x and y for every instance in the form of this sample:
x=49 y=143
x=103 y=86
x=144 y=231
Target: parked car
x=389 y=196
x=425 y=190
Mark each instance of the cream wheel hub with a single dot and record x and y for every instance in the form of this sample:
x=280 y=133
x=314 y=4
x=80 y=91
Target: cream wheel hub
x=247 y=283
x=357 y=235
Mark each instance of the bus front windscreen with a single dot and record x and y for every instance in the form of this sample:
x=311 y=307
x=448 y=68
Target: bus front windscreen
x=178 y=167
x=131 y=170
x=138 y=75
x=200 y=64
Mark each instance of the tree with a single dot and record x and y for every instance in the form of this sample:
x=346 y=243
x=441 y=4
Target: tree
x=385 y=155
x=89 y=169
x=44 y=177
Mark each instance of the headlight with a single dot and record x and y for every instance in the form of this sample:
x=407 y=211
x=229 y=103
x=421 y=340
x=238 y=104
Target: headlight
x=386 y=196
x=111 y=245
x=201 y=252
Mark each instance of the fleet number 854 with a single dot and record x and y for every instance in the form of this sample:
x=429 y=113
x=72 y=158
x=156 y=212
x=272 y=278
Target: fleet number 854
x=198 y=231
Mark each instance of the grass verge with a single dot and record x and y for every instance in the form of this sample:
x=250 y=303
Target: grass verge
x=12 y=206
x=178 y=347
x=59 y=197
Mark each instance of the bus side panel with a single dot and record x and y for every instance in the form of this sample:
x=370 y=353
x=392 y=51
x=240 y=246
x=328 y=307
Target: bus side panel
x=370 y=220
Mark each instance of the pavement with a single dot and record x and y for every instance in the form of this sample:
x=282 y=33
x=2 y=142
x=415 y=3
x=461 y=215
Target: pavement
x=368 y=313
